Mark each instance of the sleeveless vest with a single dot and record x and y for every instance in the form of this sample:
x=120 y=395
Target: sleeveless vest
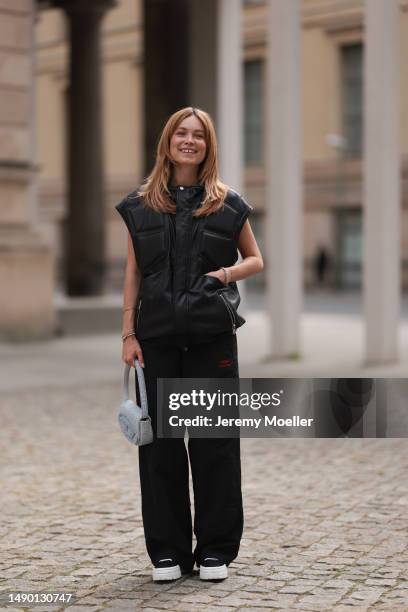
x=173 y=254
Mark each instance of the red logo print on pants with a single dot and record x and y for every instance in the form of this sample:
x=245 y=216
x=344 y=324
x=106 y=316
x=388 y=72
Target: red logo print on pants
x=225 y=363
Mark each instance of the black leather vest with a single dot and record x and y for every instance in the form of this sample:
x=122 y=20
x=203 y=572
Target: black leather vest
x=174 y=252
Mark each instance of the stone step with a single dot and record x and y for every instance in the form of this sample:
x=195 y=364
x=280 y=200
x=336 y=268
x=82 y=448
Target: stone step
x=78 y=316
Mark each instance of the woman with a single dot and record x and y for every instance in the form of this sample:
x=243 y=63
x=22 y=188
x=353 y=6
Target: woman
x=180 y=317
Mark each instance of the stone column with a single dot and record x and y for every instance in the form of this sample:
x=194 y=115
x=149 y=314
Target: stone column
x=203 y=57
x=381 y=220
x=26 y=262
x=229 y=92
x=167 y=39
x=230 y=99
x=283 y=177
x=85 y=239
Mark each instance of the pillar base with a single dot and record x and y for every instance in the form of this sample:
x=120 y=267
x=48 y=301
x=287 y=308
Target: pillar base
x=27 y=277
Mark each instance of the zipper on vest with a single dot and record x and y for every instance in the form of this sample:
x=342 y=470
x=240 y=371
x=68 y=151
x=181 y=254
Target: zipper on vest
x=138 y=313
x=172 y=256
x=188 y=263
x=230 y=312
x=172 y=232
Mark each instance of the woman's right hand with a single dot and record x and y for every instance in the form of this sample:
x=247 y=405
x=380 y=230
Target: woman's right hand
x=132 y=350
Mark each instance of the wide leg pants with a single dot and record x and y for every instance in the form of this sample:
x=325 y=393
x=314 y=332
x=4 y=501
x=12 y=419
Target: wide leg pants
x=215 y=462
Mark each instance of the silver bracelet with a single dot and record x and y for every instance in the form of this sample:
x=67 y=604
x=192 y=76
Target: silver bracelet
x=130 y=333
x=227 y=275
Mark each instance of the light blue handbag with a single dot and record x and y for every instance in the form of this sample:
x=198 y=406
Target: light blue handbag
x=134 y=420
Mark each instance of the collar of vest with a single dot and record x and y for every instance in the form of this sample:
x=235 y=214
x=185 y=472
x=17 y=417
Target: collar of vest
x=188 y=188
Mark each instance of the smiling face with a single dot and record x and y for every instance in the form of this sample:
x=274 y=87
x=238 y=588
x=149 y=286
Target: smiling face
x=187 y=145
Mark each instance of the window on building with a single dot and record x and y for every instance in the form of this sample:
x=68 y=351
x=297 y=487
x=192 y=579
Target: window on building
x=352 y=98
x=253 y=84
x=350 y=245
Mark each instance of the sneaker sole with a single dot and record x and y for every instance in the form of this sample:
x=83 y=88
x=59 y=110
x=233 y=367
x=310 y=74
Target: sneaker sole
x=166 y=573
x=213 y=573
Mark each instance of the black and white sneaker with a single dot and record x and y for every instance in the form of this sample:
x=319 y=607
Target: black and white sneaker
x=211 y=568
x=166 y=569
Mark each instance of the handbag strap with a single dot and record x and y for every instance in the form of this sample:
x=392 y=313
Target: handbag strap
x=142 y=386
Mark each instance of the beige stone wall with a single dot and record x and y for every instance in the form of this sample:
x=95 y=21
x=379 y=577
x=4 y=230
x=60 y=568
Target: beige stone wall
x=404 y=79
x=15 y=81
x=26 y=262
x=16 y=137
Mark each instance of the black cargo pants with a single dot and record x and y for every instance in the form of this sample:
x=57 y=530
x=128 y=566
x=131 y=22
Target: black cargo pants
x=215 y=462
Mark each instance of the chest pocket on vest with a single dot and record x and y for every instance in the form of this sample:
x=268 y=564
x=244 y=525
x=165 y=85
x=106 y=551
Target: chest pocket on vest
x=150 y=249
x=216 y=248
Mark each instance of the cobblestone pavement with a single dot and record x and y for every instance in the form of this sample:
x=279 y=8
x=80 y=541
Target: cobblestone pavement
x=326 y=521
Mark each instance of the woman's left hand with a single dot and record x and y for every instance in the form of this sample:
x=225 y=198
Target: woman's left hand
x=217 y=274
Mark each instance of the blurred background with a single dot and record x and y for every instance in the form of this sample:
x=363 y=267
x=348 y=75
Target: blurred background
x=86 y=89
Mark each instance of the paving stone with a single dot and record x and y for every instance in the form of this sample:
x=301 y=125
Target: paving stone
x=80 y=608
x=296 y=588
x=381 y=582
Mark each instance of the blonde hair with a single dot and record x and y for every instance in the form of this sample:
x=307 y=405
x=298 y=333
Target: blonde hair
x=155 y=192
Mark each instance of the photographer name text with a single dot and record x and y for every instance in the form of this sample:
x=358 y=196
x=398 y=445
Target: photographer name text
x=267 y=421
